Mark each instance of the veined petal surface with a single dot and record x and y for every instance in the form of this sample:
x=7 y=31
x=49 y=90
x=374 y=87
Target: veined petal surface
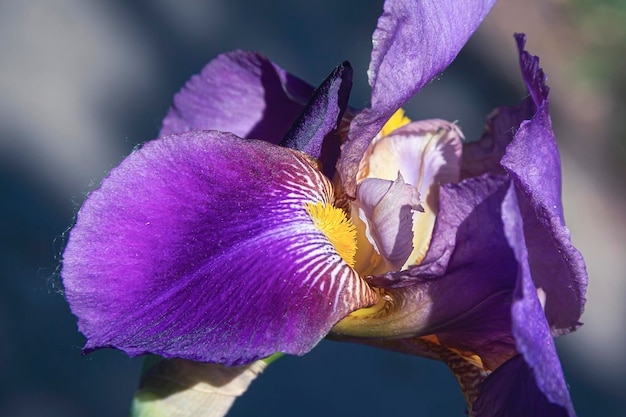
x=199 y=246
x=532 y=159
x=239 y=92
x=520 y=141
x=413 y=42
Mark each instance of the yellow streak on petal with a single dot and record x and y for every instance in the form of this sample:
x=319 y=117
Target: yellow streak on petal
x=398 y=119
x=337 y=228
x=378 y=309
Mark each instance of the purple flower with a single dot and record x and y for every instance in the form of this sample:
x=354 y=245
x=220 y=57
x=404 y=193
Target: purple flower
x=229 y=247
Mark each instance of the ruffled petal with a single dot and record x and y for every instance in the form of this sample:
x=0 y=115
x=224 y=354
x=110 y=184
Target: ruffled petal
x=413 y=42
x=484 y=155
x=532 y=160
x=239 y=92
x=519 y=140
x=199 y=246
x=509 y=320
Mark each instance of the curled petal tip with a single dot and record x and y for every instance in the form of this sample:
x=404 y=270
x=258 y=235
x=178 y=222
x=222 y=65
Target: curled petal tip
x=315 y=130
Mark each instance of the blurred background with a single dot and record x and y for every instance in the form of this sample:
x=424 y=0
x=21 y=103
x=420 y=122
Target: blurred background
x=83 y=82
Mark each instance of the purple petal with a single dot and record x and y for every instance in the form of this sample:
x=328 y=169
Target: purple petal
x=484 y=155
x=511 y=391
x=462 y=290
x=315 y=131
x=532 y=160
x=413 y=42
x=463 y=209
x=531 y=330
x=199 y=246
x=239 y=92
x=472 y=296
x=520 y=139
x=481 y=300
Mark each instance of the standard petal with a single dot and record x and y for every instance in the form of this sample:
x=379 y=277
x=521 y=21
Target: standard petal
x=239 y=92
x=532 y=160
x=199 y=246
x=413 y=42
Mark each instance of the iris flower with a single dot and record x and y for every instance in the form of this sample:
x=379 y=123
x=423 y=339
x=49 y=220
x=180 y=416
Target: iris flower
x=269 y=215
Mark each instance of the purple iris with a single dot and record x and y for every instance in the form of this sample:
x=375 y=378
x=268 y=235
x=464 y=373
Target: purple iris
x=229 y=247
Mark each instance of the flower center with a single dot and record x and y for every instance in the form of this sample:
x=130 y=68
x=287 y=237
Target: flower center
x=398 y=119
x=337 y=228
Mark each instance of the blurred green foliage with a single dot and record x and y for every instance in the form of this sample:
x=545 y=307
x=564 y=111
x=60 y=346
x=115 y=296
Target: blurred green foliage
x=601 y=25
